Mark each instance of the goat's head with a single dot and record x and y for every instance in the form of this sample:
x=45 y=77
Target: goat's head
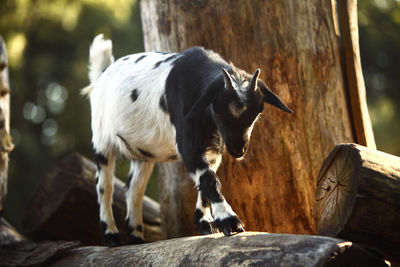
x=235 y=106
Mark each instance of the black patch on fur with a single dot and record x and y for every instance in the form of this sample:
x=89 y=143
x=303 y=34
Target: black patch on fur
x=97 y=180
x=110 y=240
x=202 y=227
x=229 y=225
x=104 y=69
x=126 y=144
x=210 y=187
x=101 y=190
x=134 y=95
x=126 y=58
x=128 y=182
x=139 y=228
x=100 y=159
x=158 y=64
x=198 y=214
x=212 y=161
x=146 y=153
x=170 y=58
x=163 y=103
x=140 y=58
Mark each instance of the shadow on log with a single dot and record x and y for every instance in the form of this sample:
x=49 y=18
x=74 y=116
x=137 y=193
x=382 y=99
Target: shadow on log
x=358 y=198
x=245 y=249
x=64 y=207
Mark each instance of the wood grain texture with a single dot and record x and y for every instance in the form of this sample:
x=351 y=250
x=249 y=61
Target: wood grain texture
x=358 y=198
x=353 y=74
x=297 y=47
x=245 y=249
x=64 y=207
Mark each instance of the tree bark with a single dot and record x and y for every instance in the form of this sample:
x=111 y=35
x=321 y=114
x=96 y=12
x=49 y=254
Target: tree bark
x=64 y=207
x=353 y=76
x=246 y=249
x=298 y=47
x=358 y=198
x=6 y=145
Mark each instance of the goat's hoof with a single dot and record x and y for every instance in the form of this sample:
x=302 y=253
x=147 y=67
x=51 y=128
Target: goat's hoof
x=112 y=240
x=205 y=228
x=134 y=240
x=229 y=225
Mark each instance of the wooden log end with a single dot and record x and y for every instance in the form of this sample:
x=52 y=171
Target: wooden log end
x=335 y=183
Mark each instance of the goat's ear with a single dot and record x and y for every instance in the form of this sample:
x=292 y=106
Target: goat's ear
x=254 y=80
x=227 y=79
x=205 y=99
x=273 y=99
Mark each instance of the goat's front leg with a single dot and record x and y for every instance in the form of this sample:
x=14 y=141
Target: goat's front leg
x=225 y=219
x=105 y=188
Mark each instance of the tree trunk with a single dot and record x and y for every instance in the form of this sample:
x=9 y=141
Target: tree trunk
x=353 y=76
x=6 y=145
x=358 y=198
x=246 y=249
x=298 y=47
x=65 y=206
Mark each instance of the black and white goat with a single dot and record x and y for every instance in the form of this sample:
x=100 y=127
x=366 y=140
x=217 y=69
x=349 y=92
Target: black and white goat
x=156 y=107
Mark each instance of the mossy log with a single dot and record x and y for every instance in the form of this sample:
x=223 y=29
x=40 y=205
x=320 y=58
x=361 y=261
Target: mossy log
x=64 y=207
x=358 y=198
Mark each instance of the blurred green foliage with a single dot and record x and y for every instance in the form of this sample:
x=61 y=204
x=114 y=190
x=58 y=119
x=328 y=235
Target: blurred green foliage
x=48 y=43
x=379 y=29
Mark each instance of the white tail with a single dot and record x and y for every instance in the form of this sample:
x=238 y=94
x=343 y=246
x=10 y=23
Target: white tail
x=100 y=57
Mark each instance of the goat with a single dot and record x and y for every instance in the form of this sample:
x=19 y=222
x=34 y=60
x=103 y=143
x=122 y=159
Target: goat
x=157 y=107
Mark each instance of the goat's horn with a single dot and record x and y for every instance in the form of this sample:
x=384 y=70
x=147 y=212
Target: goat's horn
x=227 y=79
x=254 y=80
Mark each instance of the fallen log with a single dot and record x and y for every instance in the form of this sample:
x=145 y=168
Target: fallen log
x=64 y=207
x=245 y=249
x=27 y=253
x=358 y=198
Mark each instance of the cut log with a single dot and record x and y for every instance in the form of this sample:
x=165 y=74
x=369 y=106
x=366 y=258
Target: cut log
x=358 y=198
x=245 y=249
x=64 y=207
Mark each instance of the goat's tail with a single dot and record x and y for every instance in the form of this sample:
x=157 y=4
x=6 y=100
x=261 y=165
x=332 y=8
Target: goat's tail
x=100 y=57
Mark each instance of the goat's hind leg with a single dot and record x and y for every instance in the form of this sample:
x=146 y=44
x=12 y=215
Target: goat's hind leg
x=139 y=175
x=105 y=172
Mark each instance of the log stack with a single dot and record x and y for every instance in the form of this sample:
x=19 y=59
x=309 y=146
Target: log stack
x=64 y=207
x=358 y=198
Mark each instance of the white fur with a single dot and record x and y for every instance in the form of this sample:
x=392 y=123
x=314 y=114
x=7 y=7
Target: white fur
x=222 y=210
x=100 y=57
x=140 y=172
x=140 y=122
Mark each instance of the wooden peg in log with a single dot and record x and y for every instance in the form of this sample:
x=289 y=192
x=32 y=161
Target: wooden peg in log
x=358 y=198
x=65 y=206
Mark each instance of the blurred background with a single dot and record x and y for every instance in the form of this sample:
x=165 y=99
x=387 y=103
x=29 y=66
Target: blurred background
x=48 y=42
